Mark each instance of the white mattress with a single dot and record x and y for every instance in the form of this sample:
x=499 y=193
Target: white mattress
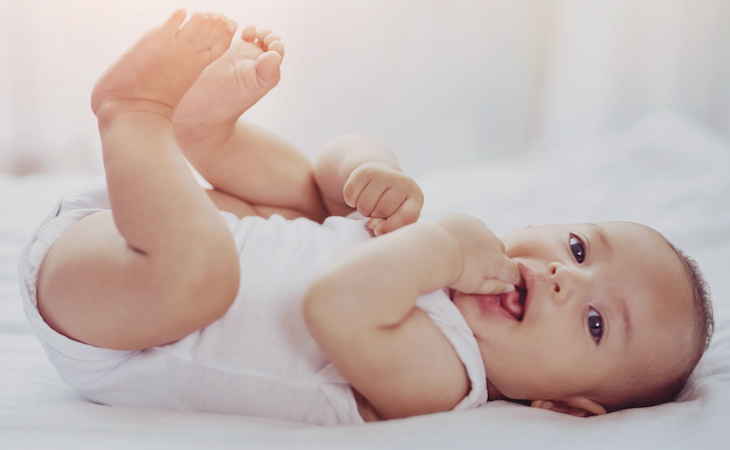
x=666 y=172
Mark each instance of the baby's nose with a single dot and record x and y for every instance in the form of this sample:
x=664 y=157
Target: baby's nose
x=557 y=281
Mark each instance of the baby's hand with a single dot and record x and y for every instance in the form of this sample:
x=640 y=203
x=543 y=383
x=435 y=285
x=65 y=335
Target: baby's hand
x=389 y=197
x=485 y=268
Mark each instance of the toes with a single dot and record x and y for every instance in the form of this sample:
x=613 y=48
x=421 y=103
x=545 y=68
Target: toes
x=249 y=34
x=267 y=69
x=223 y=29
x=231 y=26
x=220 y=38
x=261 y=34
x=207 y=27
x=197 y=28
x=278 y=47
x=270 y=38
x=261 y=37
x=192 y=28
x=173 y=23
x=207 y=32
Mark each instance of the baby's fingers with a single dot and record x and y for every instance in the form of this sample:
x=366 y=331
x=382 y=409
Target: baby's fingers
x=509 y=272
x=376 y=225
x=495 y=287
x=353 y=189
x=406 y=214
x=367 y=199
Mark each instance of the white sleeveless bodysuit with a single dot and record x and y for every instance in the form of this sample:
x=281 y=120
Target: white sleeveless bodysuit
x=259 y=358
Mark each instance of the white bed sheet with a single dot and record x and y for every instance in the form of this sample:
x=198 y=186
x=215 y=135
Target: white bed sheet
x=666 y=172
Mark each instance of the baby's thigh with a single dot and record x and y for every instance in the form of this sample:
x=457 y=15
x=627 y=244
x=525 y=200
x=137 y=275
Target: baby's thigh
x=94 y=288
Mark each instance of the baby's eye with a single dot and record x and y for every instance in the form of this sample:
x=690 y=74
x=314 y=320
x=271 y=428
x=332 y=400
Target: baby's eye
x=576 y=246
x=595 y=324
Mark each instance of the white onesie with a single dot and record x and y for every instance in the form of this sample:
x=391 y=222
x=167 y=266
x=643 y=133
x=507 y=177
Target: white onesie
x=259 y=358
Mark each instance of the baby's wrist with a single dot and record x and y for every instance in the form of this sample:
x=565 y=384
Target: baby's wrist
x=452 y=253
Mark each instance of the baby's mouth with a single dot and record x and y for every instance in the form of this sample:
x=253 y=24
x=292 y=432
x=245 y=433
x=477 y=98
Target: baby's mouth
x=514 y=302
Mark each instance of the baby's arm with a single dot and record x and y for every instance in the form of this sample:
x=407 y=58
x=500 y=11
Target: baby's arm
x=361 y=310
x=359 y=173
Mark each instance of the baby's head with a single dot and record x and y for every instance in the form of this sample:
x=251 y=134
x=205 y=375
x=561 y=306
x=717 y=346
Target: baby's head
x=610 y=316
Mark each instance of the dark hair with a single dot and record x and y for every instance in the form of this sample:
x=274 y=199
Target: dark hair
x=704 y=324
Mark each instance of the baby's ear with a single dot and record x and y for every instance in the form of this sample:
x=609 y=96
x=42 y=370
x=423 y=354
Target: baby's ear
x=575 y=406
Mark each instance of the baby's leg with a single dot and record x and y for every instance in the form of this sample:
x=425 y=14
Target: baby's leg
x=163 y=264
x=238 y=158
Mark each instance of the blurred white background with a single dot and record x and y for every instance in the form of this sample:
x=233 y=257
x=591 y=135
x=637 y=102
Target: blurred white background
x=443 y=83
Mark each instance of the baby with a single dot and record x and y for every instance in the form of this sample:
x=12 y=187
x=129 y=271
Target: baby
x=259 y=297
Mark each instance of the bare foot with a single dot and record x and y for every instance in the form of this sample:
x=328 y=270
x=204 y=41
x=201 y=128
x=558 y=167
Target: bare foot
x=231 y=85
x=156 y=71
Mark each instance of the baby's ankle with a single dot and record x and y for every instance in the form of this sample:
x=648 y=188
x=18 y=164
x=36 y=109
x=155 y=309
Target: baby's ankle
x=110 y=109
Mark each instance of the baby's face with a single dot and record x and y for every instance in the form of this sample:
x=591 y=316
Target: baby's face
x=606 y=307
